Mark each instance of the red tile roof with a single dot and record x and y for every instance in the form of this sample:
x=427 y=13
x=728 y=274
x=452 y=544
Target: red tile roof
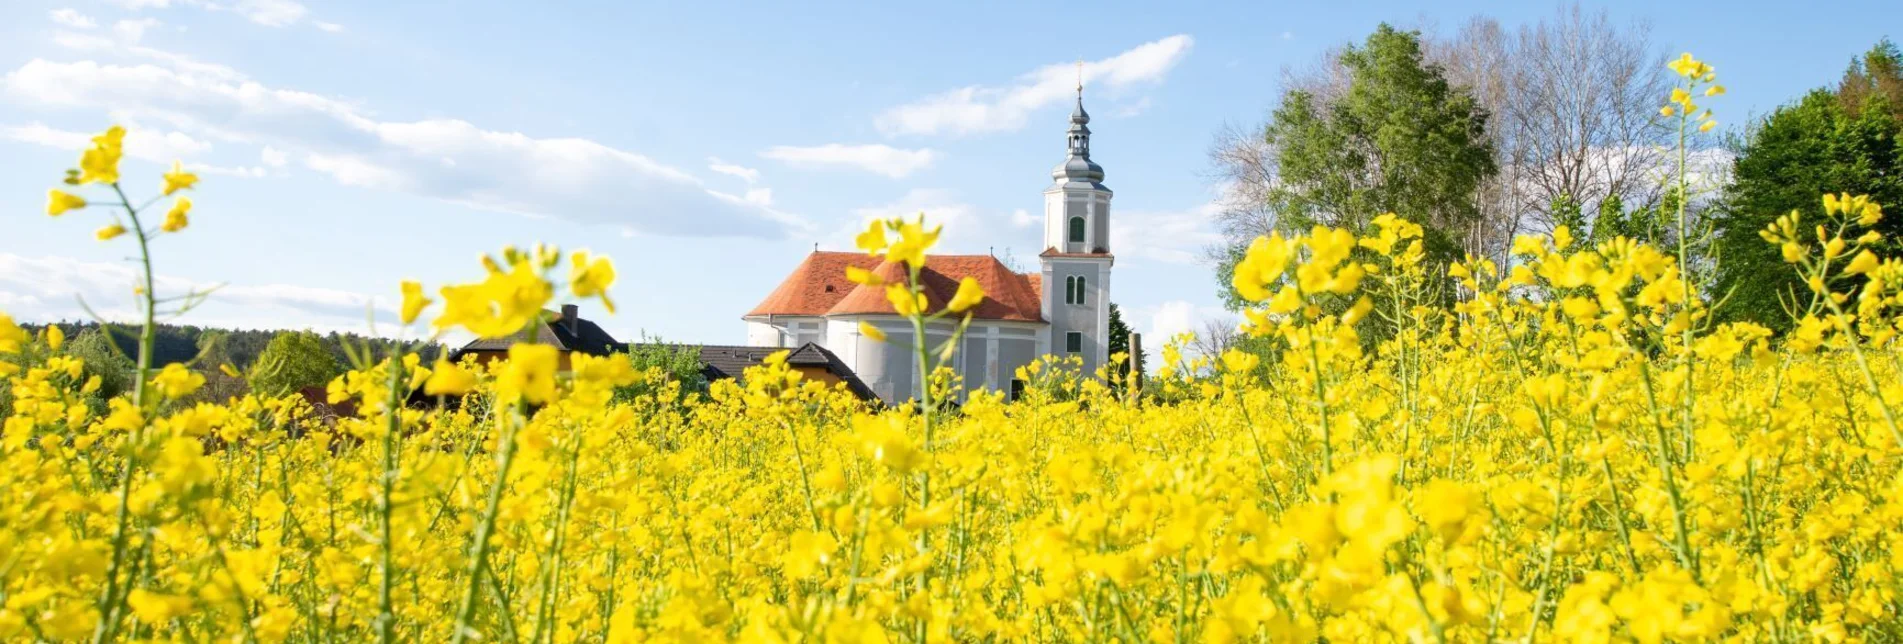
x=1008 y=295
x=1053 y=252
x=815 y=285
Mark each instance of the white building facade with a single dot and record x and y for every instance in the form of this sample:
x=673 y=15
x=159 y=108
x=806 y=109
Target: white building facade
x=1062 y=309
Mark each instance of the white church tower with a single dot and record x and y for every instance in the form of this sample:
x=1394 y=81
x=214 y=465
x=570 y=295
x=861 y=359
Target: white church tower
x=1076 y=258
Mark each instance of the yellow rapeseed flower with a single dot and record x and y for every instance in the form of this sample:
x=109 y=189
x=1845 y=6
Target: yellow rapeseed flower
x=59 y=201
x=529 y=375
x=866 y=329
x=1864 y=262
x=914 y=241
x=175 y=219
x=873 y=239
x=904 y=301
x=109 y=231
x=592 y=277
x=858 y=275
x=100 y=163
x=1262 y=265
x=175 y=381
x=449 y=379
x=413 y=301
x=969 y=295
x=178 y=179
x=498 y=306
x=158 y=609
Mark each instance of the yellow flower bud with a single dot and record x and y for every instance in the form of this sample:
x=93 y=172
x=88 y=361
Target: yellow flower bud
x=59 y=201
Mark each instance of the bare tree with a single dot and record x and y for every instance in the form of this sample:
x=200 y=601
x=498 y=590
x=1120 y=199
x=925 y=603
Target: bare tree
x=1217 y=336
x=1571 y=100
x=1577 y=106
x=1244 y=164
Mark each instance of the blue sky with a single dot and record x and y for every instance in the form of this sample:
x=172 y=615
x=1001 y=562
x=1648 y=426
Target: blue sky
x=706 y=147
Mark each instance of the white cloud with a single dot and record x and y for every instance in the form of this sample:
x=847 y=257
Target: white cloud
x=977 y=108
x=273 y=157
x=447 y=159
x=747 y=174
x=1161 y=322
x=1171 y=318
x=1126 y=111
x=243 y=172
x=72 y=18
x=131 y=31
x=51 y=288
x=356 y=171
x=1023 y=218
x=1176 y=237
x=272 y=13
x=967 y=230
x=118 y=47
x=141 y=143
x=875 y=158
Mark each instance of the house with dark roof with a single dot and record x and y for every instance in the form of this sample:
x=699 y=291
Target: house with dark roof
x=1023 y=315
x=566 y=331
x=570 y=333
x=813 y=362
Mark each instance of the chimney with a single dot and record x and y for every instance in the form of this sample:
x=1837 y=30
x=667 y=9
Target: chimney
x=571 y=318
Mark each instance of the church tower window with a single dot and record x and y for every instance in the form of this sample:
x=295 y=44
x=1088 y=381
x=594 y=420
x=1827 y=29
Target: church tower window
x=1074 y=289
x=1074 y=342
x=1077 y=230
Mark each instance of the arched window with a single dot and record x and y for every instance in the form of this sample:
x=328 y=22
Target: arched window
x=1077 y=229
x=1074 y=289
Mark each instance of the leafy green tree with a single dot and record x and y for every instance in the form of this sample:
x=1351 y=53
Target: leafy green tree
x=103 y=359
x=214 y=352
x=677 y=362
x=292 y=361
x=1399 y=139
x=1120 y=343
x=1565 y=211
x=1612 y=221
x=1843 y=141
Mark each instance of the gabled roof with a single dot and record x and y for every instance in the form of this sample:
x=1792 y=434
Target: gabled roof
x=818 y=286
x=1008 y=295
x=815 y=285
x=728 y=361
x=587 y=337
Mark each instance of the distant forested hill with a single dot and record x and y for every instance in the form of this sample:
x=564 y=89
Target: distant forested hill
x=180 y=343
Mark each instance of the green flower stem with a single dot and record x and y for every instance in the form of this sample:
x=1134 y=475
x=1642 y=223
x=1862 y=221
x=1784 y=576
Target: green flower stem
x=112 y=600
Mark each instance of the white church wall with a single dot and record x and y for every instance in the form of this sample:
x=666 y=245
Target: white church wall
x=889 y=368
x=785 y=331
x=1083 y=318
x=1013 y=353
x=761 y=334
x=972 y=360
x=1100 y=222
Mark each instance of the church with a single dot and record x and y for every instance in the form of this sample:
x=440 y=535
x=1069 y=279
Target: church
x=1062 y=309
